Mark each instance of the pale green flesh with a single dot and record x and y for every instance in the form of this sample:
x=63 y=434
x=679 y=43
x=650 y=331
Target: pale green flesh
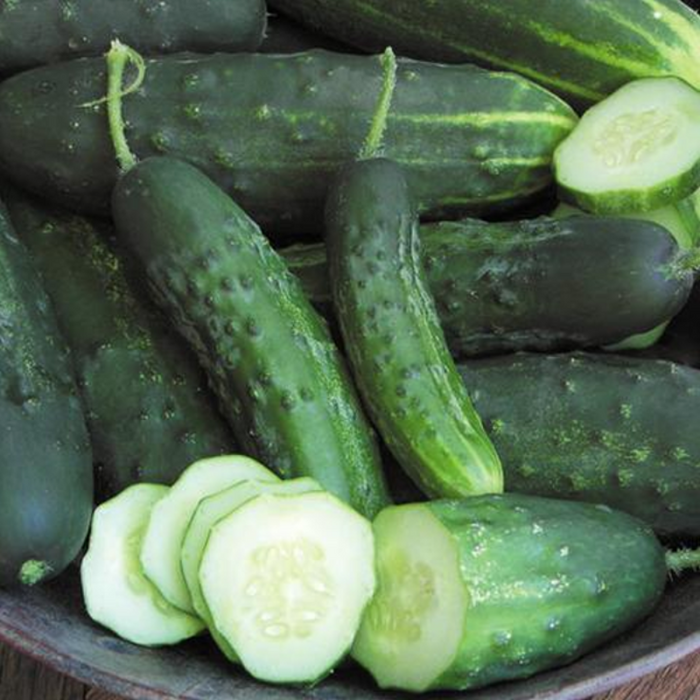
x=642 y=138
x=160 y=553
x=209 y=511
x=286 y=579
x=411 y=632
x=117 y=594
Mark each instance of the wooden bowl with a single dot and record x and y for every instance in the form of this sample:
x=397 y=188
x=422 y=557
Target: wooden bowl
x=50 y=625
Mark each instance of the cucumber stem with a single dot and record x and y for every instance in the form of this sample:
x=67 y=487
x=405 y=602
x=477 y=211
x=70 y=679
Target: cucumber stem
x=680 y=560
x=373 y=142
x=118 y=57
x=689 y=261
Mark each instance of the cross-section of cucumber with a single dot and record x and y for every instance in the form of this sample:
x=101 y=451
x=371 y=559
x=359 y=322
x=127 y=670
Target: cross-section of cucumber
x=117 y=594
x=160 y=553
x=286 y=579
x=209 y=511
x=635 y=151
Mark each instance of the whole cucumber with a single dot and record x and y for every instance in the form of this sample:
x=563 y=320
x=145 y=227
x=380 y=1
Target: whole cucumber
x=494 y=588
x=150 y=412
x=46 y=477
x=272 y=130
x=542 y=284
x=580 y=49
x=601 y=428
x=280 y=379
x=393 y=338
x=37 y=32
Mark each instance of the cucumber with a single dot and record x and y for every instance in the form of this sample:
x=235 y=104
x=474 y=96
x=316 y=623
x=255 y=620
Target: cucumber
x=286 y=579
x=393 y=338
x=541 y=284
x=148 y=408
x=636 y=151
x=495 y=588
x=470 y=140
x=117 y=594
x=600 y=428
x=280 y=379
x=209 y=511
x=36 y=32
x=167 y=525
x=581 y=49
x=283 y=35
x=46 y=482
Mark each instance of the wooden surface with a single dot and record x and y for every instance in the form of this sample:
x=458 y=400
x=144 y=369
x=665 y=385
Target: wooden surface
x=23 y=679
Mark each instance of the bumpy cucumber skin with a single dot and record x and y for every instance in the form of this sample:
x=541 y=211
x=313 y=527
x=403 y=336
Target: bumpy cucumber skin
x=149 y=410
x=604 y=429
x=46 y=477
x=485 y=140
x=270 y=359
x=548 y=581
x=582 y=50
x=393 y=338
x=36 y=32
x=540 y=284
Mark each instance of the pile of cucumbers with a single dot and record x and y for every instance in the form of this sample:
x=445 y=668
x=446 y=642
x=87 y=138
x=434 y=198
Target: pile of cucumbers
x=337 y=354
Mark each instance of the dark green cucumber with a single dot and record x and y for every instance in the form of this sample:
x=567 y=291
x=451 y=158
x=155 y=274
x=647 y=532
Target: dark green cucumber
x=495 y=588
x=284 y=35
x=36 y=32
x=581 y=49
x=280 y=379
x=149 y=410
x=470 y=140
x=45 y=462
x=542 y=284
x=393 y=338
x=600 y=428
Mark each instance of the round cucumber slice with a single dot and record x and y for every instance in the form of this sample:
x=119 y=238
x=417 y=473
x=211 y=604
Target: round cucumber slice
x=162 y=542
x=412 y=629
x=635 y=151
x=117 y=594
x=209 y=511
x=286 y=579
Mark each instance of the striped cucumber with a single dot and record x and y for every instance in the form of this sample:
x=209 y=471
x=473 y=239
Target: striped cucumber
x=284 y=35
x=36 y=32
x=470 y=140
x=599 y=428
x=148 y=407
x=541 y=284
x=581 y=49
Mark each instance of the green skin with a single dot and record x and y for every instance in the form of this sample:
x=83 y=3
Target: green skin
x=36 y=32
x=46 y=477
x=548 y=581
x=149 y=409
x=280 y=379
x=393 y=338
x=470 y=140
x=599 y=428
x=536 y=285
x=581 y=50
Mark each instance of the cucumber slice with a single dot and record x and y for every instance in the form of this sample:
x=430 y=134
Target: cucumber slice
x=412 y=630
x=637 y=150
x=117 y=594
x=160 y=553
x=209 y=511
x=286 y=579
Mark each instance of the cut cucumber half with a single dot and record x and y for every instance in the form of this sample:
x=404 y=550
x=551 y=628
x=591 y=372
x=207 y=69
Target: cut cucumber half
x=635 y=151
x=117 y=594
x=160 y=553
x=209 y=511
x=412 y=630
x=286 y=579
